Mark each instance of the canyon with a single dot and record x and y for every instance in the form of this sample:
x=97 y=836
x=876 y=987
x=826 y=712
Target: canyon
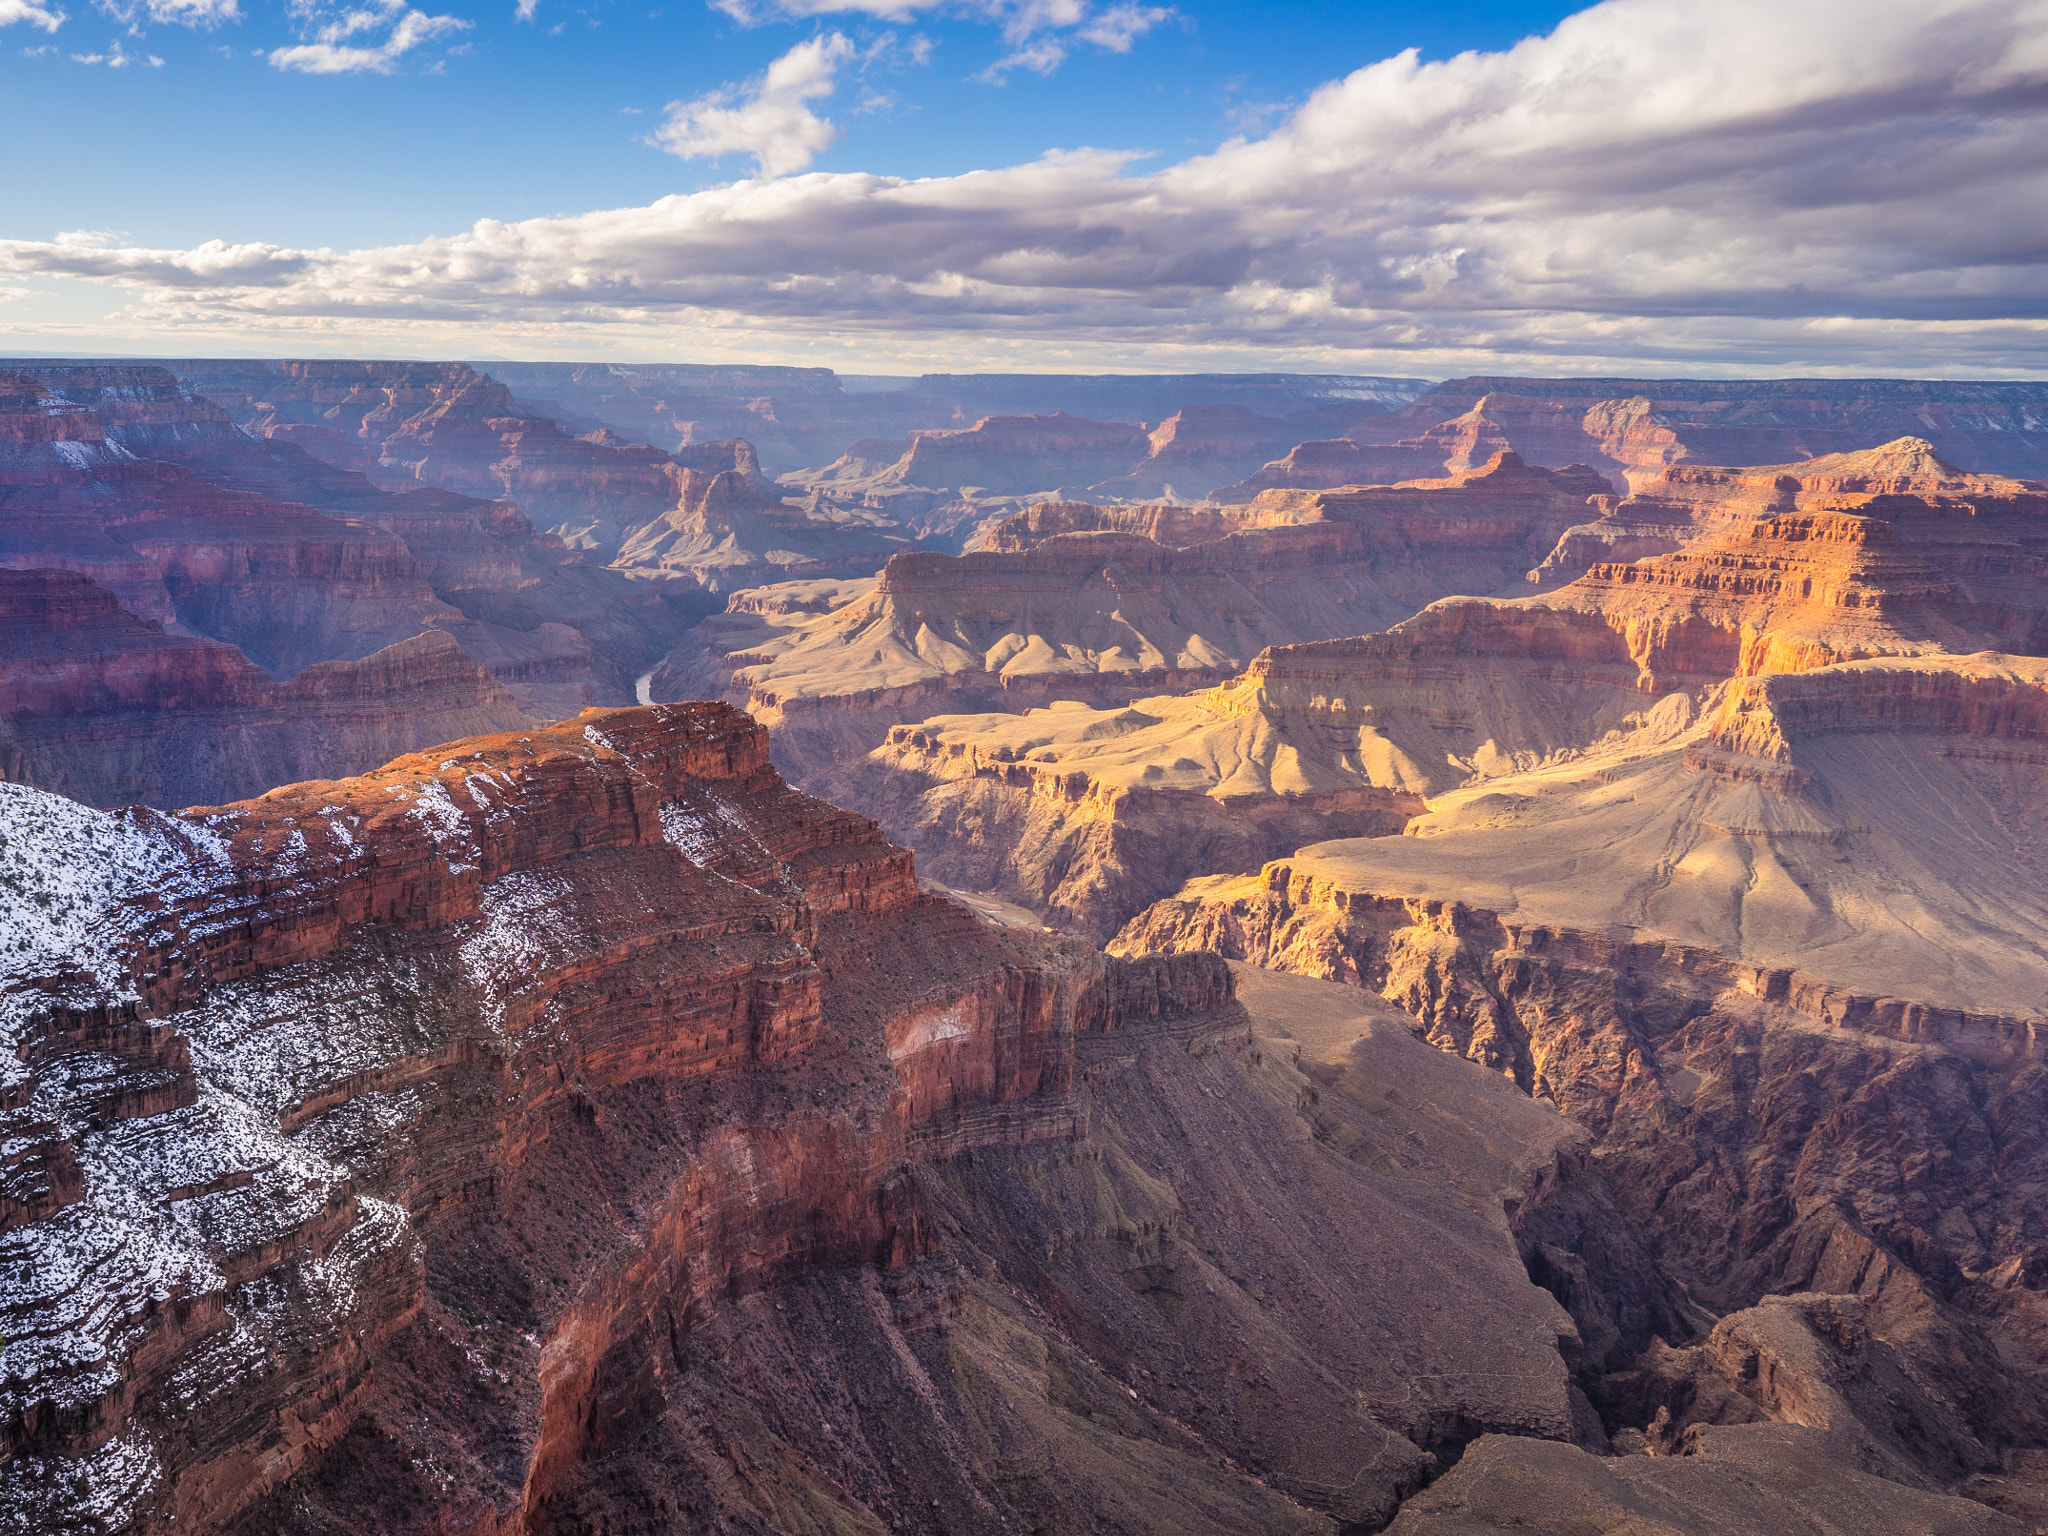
x=1090 y=810
x=1196 y=954
x=678 y=1159
x=1069 y=602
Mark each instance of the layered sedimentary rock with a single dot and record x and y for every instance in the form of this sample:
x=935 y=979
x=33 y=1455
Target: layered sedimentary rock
x=795 y=416
x=949 y=481
x=1637 y=427
x=699 y=512
x=928 y=475
x=341 y=572
x=1474 y=689
x=1783 y=967
x=1104 y=614
x=109 y=709
x=1173 y=525
x=286 y=584
x=581 y=1128
x=1904 y=481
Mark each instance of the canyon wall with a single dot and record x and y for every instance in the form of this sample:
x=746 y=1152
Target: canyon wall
x=111 y=710
x=580 y=1128
x=1110 y=806
x=1102 y=613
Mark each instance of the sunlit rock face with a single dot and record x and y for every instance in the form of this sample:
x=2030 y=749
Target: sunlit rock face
x=579 y=1126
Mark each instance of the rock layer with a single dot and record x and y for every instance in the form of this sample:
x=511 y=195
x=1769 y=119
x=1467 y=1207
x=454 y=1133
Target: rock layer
x=107 y=709
x=580 y=1127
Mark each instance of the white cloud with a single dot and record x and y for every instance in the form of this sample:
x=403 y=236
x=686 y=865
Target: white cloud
x=199 y=15
x=1116 y=27
x=768 y=118
x=35 y=15
x=332 y=53
x=1041 y=57
x=1830 y=184
x=1020 y=21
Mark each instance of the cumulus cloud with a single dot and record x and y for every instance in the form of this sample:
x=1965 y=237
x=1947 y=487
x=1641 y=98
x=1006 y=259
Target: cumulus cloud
x=334 y=51
x=200 y=15
x=768 y=118
x=35 y=15
x=1817 y=182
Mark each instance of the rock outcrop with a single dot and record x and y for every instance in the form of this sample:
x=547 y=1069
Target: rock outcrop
x=1784 y=969
x=700 y=513
x=1103 y=615
x=1778 y=572
x=341 y=571
x=1635 y=428
x=110 y=710
x=579 y=1128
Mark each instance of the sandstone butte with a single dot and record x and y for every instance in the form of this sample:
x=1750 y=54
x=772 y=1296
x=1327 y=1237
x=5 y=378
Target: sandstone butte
x=581 y=1130
x=1072 y=602
x=1634 y=429
x=703 y=512
x=1089 y=812
x=956 y=477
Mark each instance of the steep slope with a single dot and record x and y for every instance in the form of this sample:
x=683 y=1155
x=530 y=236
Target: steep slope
x=1904 y=481
x=108 y=709
x=287 y=585
x=1788 y=967
x=557 y=631
x=1109 y=806
x=1100 y=614
x=581 y=1128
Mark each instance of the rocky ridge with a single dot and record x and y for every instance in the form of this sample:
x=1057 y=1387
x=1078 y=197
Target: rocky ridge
x=880 y=1214
x=1101 y=614
x=1625 y=658
x=111 y=710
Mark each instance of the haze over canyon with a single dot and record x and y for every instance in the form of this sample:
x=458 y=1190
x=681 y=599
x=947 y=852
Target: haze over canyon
x=1024 y=768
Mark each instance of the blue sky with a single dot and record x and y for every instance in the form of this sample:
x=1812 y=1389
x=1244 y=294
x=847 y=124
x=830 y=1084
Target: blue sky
x=1677 y=186
x=539 y=117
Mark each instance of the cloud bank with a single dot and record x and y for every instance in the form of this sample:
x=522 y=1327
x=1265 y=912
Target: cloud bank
x=1863 y=182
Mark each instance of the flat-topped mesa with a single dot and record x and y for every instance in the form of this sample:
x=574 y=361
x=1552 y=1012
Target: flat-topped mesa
x=1970 y=702
x=1903 y=481
x=1171 y=525
x=1020 y=454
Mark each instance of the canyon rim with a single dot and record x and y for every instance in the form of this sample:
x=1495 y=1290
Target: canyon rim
x=1024 y=768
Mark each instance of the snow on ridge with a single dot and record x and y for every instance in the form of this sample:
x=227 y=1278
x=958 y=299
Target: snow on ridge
x=66 y=873
x=515 y=939
x=435 y=810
